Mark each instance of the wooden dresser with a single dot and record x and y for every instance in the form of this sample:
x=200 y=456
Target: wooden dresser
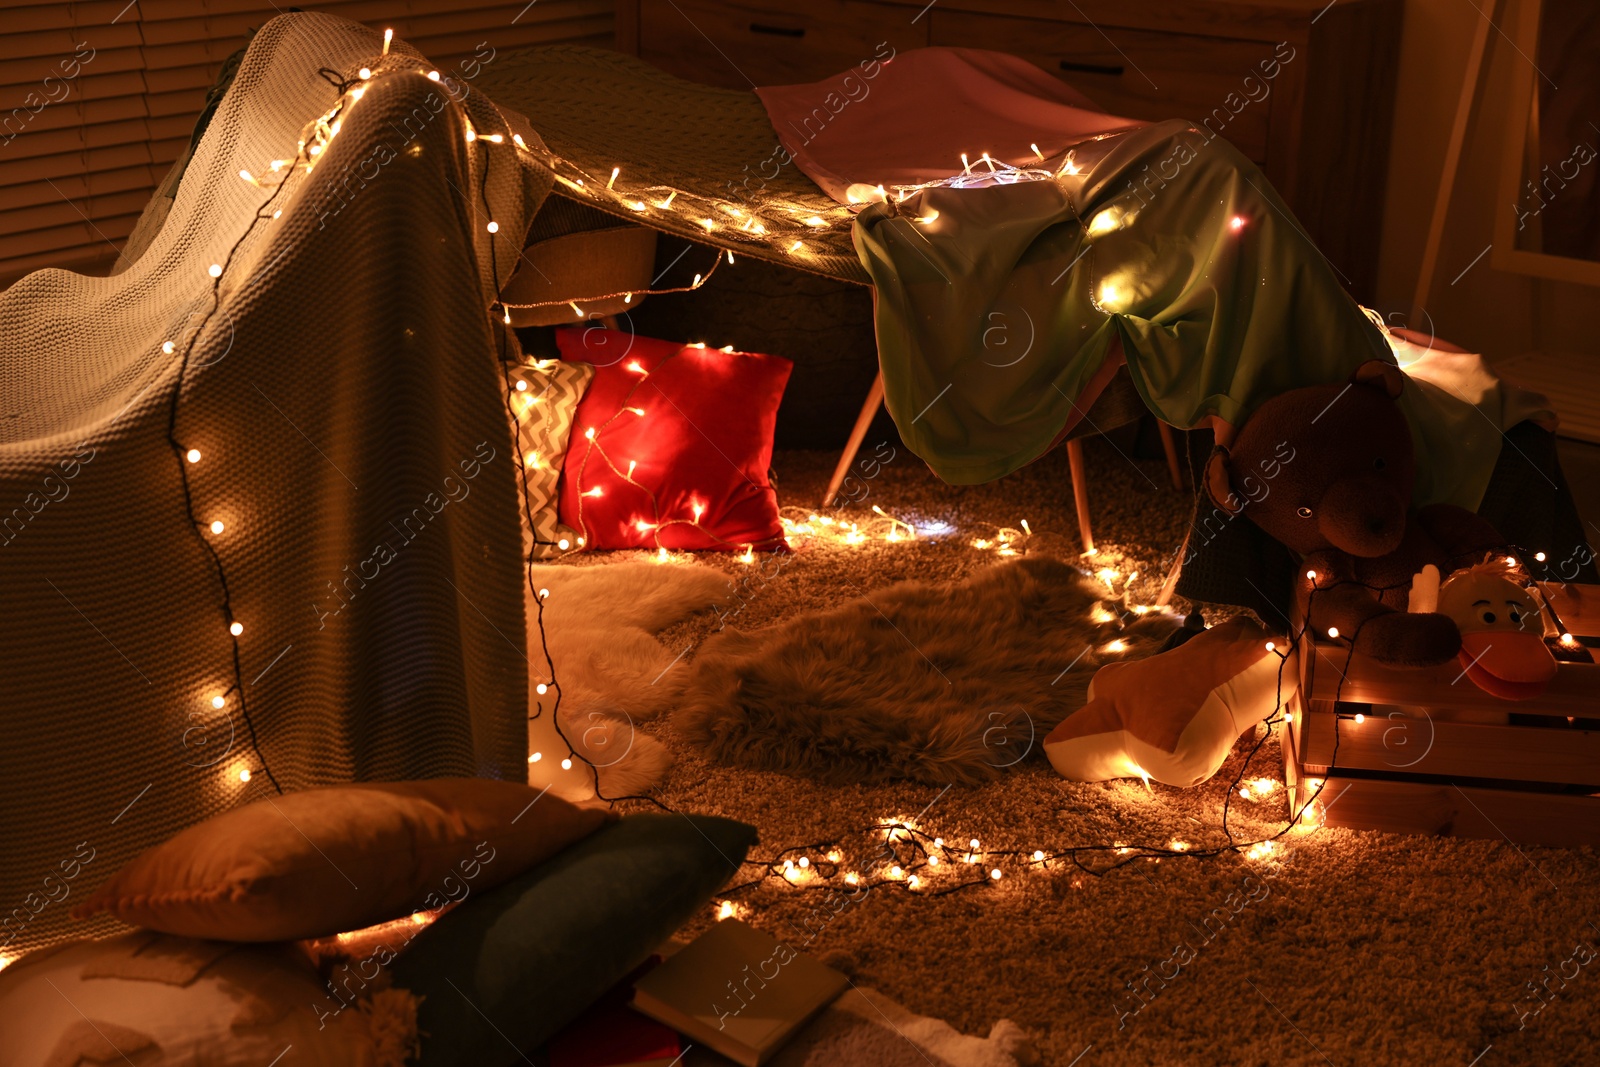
x=1303 y=87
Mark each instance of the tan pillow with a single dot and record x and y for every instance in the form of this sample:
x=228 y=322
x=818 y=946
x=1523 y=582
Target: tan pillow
x=324 y=861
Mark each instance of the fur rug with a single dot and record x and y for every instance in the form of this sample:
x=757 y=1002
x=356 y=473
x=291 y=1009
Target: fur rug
x=933 y=682
x=600 y=622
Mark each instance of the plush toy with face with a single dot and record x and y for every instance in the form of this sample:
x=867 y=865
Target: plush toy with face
x=1502 y=626
x=1328 y=471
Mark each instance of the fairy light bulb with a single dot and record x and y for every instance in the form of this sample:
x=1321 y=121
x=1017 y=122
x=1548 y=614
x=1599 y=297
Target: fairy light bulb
x=1272 y=646
x=364 y=73
x=166 y=348
x=974 y=844
x=246 y=176
x=725 y=910
x=589 y=433
x=1333 y=631
x=834 y=855
x=1312 y=575
x=699 y=510
x=215 y=270
x=544 y=594
x=217 y=527
x=541 y=689
x=472 y=135
x=852 y=878
x=895 y=871
x=1236 y=223
x=1360 y=718
x=995 y=874
x=805 y=861
x=493 y=227
x=536 y=757
x=244 y=774
x=433 y=75
x=193 y=455
x=236 y=628
x=913 y=882
x=662 y=555
x=1038 y=855
x=388 y=35
x=634 y=366
x=563 y=544
x=219 y=701
x=632 y=463
x=566 y=764
x=1037 y=152
x=1568 y=641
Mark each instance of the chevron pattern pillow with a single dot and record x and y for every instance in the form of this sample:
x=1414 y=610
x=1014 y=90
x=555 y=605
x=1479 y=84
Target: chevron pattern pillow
x=545 y=395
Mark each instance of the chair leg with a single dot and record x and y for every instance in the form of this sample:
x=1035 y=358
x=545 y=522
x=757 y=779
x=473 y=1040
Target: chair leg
x=869 y=411
x=1169 y=445
x=1164 y=597
x=1080 y=491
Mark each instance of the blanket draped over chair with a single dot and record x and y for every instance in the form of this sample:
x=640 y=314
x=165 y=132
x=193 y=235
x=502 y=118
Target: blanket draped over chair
x=340 y=382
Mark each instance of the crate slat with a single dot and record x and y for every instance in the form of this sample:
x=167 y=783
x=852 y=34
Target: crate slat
x=1461 y=811
x=1392 y=744
x=1578 y=606
x=1575 y=690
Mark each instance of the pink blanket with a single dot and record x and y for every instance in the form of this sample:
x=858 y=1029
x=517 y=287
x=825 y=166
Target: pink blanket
x=908 y=118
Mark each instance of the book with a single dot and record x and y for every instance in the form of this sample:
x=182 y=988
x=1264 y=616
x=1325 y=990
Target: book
x=611 y=1034
x=737 y=991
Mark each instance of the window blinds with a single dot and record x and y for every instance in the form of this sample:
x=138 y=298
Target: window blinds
x=98 y=97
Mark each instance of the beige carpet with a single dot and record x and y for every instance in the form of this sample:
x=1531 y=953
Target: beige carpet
x=1359 y=948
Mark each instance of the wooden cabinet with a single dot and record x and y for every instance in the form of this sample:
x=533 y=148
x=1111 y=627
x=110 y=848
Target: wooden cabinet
x=741 y=44
x=1305 y=88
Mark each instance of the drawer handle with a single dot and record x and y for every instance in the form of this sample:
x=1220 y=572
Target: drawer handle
x=776 y=31
x=1091 y=68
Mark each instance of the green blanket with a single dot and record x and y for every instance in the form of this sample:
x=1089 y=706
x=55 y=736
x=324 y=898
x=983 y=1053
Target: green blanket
x=998 y=305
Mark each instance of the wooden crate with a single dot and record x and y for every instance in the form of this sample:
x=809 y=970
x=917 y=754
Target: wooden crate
x=1410 y=765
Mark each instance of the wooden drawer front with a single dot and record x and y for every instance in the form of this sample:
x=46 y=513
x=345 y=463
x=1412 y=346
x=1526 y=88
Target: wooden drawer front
x=740 y=44
x=1138 y=73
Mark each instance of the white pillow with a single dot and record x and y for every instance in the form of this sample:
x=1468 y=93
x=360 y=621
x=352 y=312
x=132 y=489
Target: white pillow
x=156 y=1000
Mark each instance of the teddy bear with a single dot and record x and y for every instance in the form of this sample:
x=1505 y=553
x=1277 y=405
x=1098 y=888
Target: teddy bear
x=1328 y=470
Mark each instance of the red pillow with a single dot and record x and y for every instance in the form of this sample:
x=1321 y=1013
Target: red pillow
x=692 y=425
